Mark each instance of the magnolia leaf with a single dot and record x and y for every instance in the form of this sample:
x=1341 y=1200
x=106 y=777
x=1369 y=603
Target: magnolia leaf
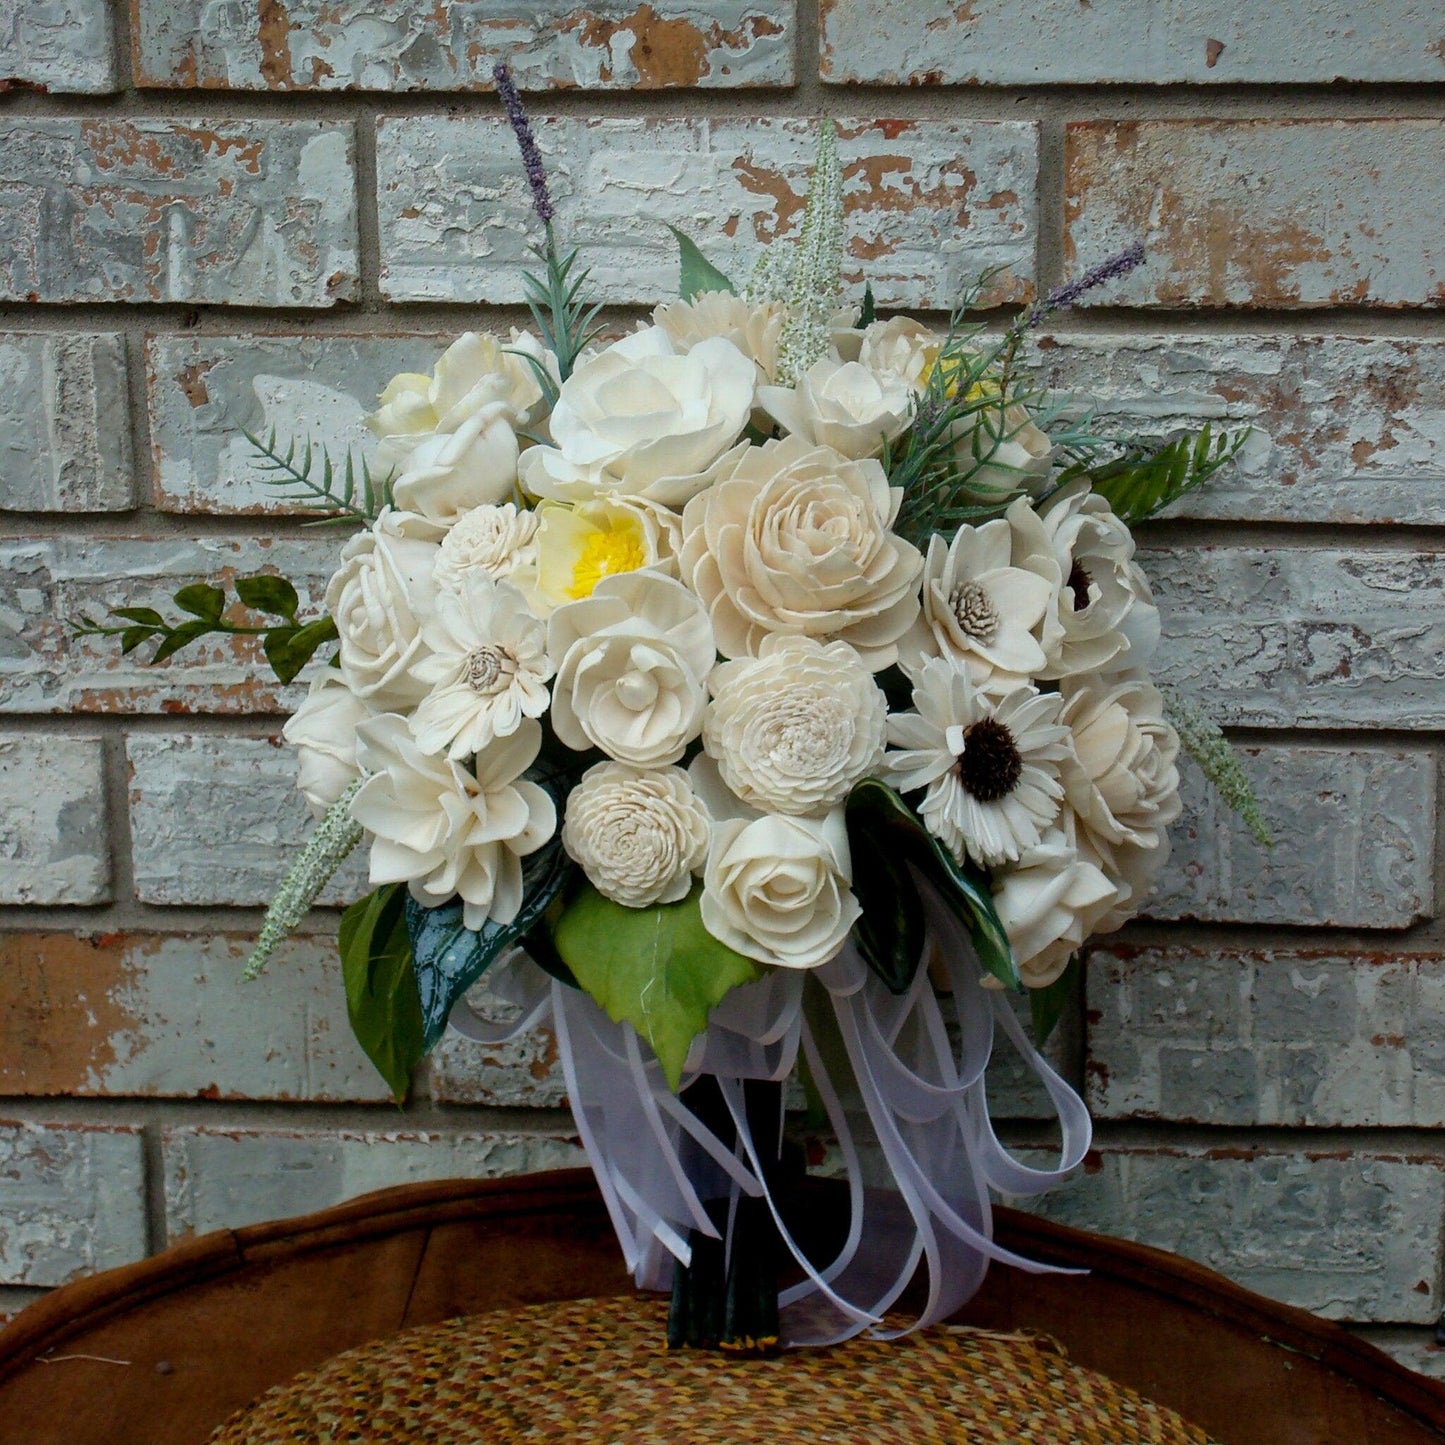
x=272 y=595
x=1047 y=1004
x=698 y=274
x=656 y=968
x=381 y=992
x=890 y=933
x=875 y=810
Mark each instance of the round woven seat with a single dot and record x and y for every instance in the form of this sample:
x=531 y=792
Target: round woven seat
x=597 y=1370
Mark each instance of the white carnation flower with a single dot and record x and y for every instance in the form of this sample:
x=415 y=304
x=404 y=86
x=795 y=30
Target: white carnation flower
x=632 y=666
x=487 y=669
x=323 y=732
x=495 y=540
x=793 y=730
x=990 y=766
x=638 y=834
x=843 y=405
x=444 y=832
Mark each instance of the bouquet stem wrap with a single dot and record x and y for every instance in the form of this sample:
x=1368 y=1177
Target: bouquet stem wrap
x=900 y=1094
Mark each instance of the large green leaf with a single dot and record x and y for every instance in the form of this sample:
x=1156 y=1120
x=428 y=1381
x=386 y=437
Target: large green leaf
x=890 y=933
x=656 y=968
x=1047 y=1004
x=874 y=810
x=381 y=993
x=698 y=274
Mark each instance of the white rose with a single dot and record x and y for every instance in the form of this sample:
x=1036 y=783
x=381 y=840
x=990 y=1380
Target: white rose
x=496 y=540
x=643 y=419
x=843 y=405
x=378 y=598
x=323 y=732
x=775 y=888
x=639 y=835
x=1130 y=868
x=798 y=539
x=632 y=666
x=444 y=832
x=901 y=348
x=451 y=473
x=754 y=328
x=793 y=730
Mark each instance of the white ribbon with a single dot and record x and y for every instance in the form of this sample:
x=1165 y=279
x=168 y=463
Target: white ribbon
x=897 y=1092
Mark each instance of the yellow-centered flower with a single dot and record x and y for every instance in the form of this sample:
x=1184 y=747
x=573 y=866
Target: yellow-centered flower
x=578 y=546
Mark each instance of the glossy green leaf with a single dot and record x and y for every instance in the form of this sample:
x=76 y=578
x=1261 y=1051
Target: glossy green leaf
x=891 y=932
x=381 y=992
x=656 y=968
x=698 y=274
x=1047 y=1004
x=200 y=599
x=274 y=596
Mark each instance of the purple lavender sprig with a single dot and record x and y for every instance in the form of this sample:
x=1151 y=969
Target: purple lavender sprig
x=526 y=141
x=1110 y=269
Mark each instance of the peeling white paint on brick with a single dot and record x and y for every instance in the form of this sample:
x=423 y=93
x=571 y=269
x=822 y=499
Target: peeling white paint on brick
x=63 y=46
x=54 y=846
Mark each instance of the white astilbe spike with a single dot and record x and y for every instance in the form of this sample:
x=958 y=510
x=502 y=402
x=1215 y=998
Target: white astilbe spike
x=771 y=276
x=327 y=849
x=816 y=276
x=1200 y=737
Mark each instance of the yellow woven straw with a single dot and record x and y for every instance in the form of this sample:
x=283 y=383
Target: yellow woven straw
x=598 y=1371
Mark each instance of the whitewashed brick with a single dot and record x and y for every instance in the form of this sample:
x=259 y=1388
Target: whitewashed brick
x=1354 y=843
x=218 y=820
x=64 y=424
x=930 y=203
x=1260 y=212
x=64 y=46
x=224 y=1178
x=12 y=1301
x=1345 y=428
x=452 y=45
x=72 y=1201
x=1347 y=1235
x=1415 y=1349
x=204 y=390
x=47 y=584
x=53 y=845
x=1139 y=42
x=169 y=1016
x=1304 y=637
x=242 y=212
x=1270 y=1037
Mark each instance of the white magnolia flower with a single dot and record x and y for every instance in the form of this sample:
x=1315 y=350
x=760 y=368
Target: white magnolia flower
x=378 y=598
x=643 y=419
x=901 y=348
x=990 y=765
x=981 y=611
x=638 y=834
x=444 y=832
x=323 y=732
x=451 y=473
x=775 y=888
x=797 y=539
x=487 y=669
x=632 y=666
x=843 y=405
x=792 y=730
x=753 y=328
x=494 y=540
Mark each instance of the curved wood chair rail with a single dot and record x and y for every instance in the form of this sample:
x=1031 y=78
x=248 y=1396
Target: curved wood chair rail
x=160 y=1352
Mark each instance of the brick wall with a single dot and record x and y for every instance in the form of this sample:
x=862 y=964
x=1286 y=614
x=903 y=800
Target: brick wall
x=251 y=215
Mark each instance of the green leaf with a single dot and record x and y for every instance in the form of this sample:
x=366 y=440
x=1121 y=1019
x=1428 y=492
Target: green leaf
x=200 y=599
x=874 y=809
x=274 y=596
x=869 y=310
x=132 y=637
x=1047 y=1004
x=1143 y=483
x=890 y=934
x=181 y=636
x=656 y=968
x=289 y=649
x=381 y=992
x=148 y=615
x=697 y=273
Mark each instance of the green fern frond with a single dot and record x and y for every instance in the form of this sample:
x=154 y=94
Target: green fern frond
x=313 y=481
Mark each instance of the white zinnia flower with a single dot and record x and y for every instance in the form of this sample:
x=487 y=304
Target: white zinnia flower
x=793 y=730
x=990 y=765
x=495 y=540
x=323 y=732
x=638 y=834
x=444 y=832
x=488 y=668
x=843 y=405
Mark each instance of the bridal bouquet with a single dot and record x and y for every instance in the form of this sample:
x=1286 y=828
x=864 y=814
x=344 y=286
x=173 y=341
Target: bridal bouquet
x=761 y=692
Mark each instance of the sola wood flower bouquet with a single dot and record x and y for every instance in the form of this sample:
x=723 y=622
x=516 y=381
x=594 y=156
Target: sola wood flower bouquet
x=759 y=694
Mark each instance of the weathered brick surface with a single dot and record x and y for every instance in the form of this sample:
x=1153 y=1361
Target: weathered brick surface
x=930 y=203
x=368 y=45
x=1305 y=637
x=1350 y=1236
x=219 y=820
x=1354 y=844
x=1285 y=1036
x=1415 y=1349
x=54 y=846
x=220 y=1178
x=169 y=1016
x=1144 y=42
x=63 y=46
x=203 y=390
x=47 y=584
x=243 y=212
x=1345 y=428
x=64 y=423
x=74 y=1201
x=1261 y=212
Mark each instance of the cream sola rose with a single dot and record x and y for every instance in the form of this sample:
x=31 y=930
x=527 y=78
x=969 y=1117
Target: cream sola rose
x=843 y=405
x=796 y=538
x=754 y=328
x=496 y=540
